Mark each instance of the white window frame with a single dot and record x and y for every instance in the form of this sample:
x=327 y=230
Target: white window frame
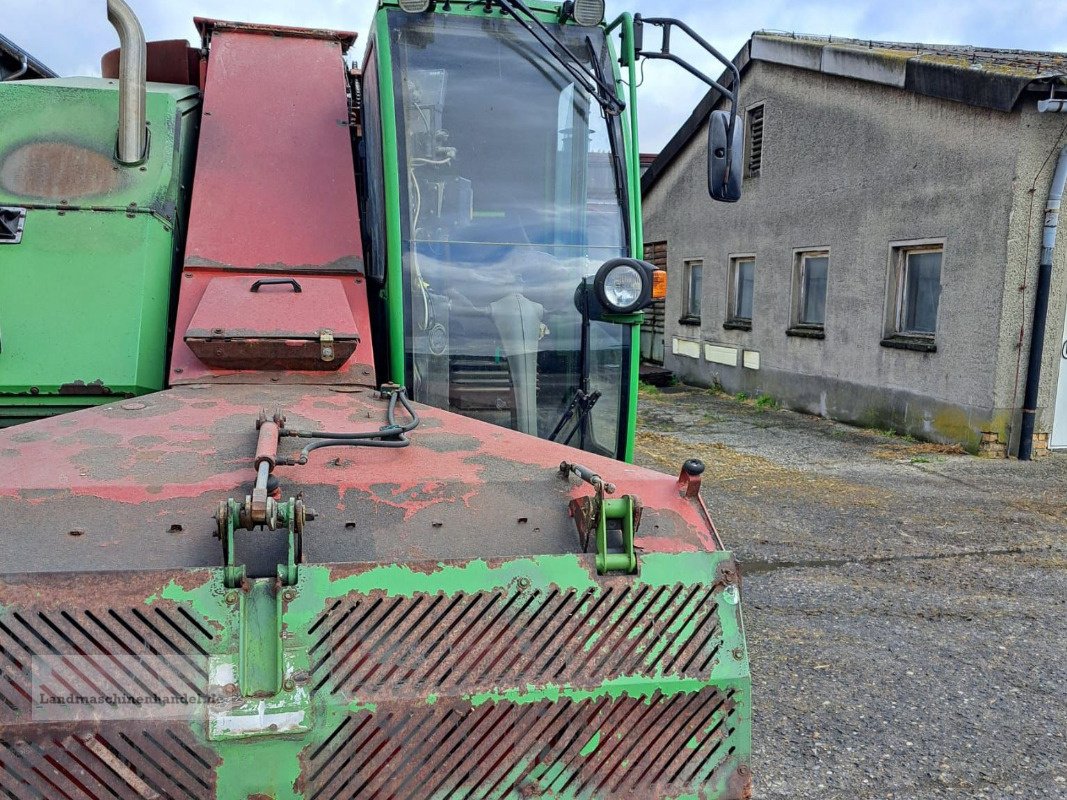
x=800 y=258
x=732 y=317
x=898 y=274
x=687 y=285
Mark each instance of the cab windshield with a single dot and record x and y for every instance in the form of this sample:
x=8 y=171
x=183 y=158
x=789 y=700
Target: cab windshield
x=511 y=195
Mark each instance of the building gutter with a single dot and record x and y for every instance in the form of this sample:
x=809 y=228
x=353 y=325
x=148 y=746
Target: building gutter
x=1044 y=286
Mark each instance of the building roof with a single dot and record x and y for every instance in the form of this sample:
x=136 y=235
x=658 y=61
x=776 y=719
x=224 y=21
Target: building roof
x=982 y=77
x=13 y=58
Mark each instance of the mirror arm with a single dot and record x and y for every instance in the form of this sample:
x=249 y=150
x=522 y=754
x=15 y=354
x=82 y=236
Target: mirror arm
x=667 y=23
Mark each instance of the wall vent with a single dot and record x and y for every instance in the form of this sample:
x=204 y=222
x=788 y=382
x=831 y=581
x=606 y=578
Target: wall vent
x=755 y=142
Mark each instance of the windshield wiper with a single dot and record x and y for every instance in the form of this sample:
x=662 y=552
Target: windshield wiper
x=616 y=150
x=588 y=79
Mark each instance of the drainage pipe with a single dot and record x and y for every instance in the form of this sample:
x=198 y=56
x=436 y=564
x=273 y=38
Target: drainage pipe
x=133 y=67
x=1044 y=287
x=14 y=76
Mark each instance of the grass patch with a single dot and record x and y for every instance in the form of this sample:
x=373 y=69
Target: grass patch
x=648 y=389
x=765 y=402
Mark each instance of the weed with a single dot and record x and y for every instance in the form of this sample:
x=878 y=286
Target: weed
x=647 y=388
x=765 y=401
x=741 y=397
x=920 y=460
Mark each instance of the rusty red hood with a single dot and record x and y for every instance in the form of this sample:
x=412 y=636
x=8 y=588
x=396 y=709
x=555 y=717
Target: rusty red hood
x=133 y=485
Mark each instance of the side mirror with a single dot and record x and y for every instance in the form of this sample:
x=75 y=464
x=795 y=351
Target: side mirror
x=726 y=157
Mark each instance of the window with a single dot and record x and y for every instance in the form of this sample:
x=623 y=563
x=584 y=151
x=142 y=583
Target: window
x=915 y=283
x=754 y=135
x=809 y=292
x=694 y=281
x=741 y=286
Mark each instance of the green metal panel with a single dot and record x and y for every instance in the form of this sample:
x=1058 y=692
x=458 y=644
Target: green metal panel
x=58 y=141
x=530 y=677
x=324 y=700
x=85 y=297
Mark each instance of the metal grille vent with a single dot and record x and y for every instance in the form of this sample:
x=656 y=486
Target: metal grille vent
x=103 y=759
x=640 y=748
x=755 y=141
x=119 y=762
x=411 y=645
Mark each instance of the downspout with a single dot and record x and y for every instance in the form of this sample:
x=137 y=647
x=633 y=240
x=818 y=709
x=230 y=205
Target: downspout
x=133 y=67
x=22 y=71
x=1044 y=287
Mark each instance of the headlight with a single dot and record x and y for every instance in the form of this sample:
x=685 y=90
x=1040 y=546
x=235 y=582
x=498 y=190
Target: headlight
x=415 y=6
x=622 y=287
x=625 y=285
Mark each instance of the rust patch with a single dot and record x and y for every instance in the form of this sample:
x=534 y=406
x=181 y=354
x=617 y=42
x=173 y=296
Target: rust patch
x=58 y=171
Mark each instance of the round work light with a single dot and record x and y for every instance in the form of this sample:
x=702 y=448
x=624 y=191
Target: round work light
x=415 y=6
x=625 y=285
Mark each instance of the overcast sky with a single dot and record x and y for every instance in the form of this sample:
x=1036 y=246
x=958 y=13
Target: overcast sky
x=70 y=35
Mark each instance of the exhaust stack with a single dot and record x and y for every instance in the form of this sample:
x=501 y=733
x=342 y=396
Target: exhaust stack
x=133 y=66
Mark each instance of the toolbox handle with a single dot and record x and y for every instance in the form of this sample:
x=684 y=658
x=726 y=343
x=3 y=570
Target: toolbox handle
x=276 y=282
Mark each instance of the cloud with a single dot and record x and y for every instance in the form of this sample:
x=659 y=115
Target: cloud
x=70 y=35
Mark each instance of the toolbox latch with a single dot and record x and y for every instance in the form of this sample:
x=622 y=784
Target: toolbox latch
x=326 y=348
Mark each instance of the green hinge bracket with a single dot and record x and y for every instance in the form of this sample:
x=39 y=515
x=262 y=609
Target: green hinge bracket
x=259 y=685
x=595 y=513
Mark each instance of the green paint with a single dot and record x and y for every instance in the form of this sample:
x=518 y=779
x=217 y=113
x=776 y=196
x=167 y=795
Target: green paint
x=635 y=687
x=637 y=248
x=269 y=763
x=104 y=265
x=394 y=269
x=590 y=746
x=261 y=647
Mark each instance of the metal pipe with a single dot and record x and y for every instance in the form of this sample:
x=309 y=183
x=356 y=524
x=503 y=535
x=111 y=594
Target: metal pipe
x=133 y=68
x=1044 y=285
x=24 y=69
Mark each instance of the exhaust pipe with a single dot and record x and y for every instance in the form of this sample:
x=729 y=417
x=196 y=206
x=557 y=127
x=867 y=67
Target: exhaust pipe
x=133 y=67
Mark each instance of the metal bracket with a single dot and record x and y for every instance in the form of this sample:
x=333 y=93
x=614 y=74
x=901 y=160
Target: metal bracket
x=232 y=516
x=326 y=348
x=12 y=221
x=593 y=514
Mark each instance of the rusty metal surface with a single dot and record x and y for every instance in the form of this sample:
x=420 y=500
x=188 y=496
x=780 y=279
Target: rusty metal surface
x=410 y=687
x=140 y=480
x=55 y=616
x=186 y=367
x=298 y=219
x=407 y=647
x=240 y=324
x=208 y=27
x=169 y=61
x=58 y=171
x=531 y=750
x=302 y=211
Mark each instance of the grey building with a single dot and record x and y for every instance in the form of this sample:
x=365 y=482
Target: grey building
x=17 y=64
x=882 y=264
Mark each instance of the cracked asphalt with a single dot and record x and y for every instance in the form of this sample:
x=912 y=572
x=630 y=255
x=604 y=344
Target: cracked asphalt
x=906 y=607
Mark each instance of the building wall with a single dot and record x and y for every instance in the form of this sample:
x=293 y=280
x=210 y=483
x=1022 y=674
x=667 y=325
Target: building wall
x=1040 y=139
x=852 y=167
